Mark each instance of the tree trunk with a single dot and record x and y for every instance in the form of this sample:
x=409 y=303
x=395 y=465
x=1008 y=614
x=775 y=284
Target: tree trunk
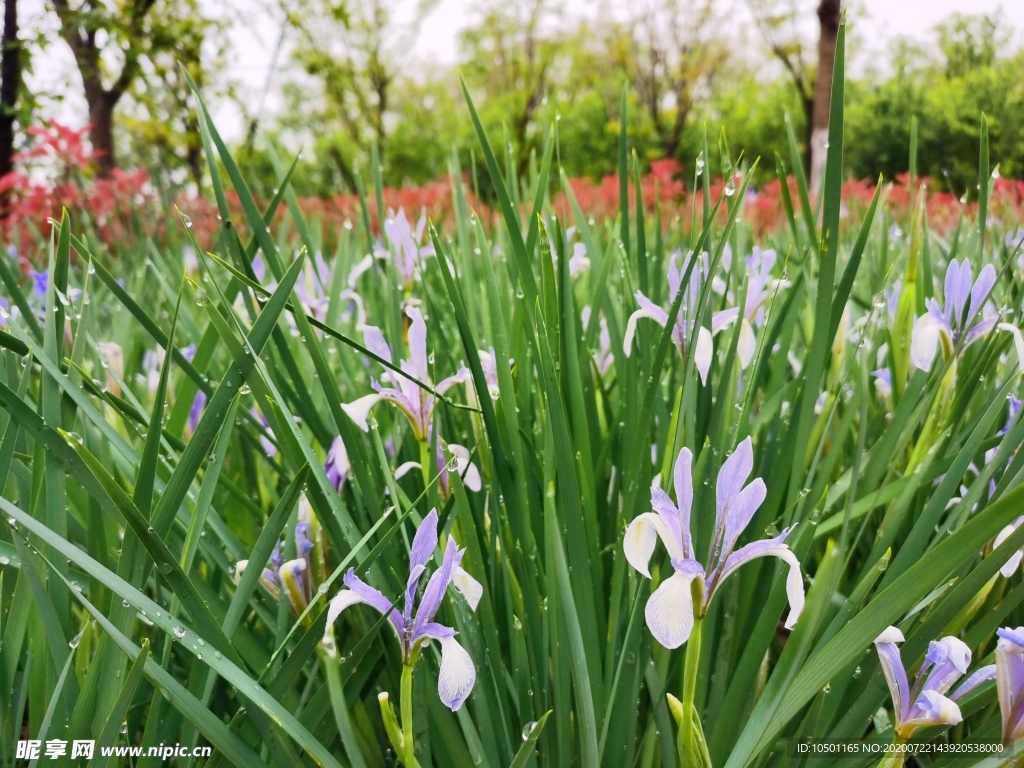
x=808 y=104
x=10 y=84
x=829 y=14
x=101 y=128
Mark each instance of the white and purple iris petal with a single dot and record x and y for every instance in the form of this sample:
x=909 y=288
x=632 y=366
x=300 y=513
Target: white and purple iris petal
x=926 y=703
x=414 y=625
x=416 y=403
x=670 y=612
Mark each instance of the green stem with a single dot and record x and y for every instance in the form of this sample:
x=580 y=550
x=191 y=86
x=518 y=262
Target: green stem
x=894 y=759
x=688 y=747
x=425 y=462
x=408 y=757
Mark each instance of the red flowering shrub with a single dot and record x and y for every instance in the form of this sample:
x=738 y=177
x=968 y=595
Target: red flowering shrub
x=120 y=210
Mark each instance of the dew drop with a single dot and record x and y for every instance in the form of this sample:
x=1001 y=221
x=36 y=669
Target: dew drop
x=528 y=729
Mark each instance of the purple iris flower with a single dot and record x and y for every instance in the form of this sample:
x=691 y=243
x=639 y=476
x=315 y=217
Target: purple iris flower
x=196 y=413
x=416 y=403
x=1010 y=681
x=291 y=576
x=265 y=441
x=405 y=242
x=957 y=321
x=704 y=346
x=268 y=578
x=337 y=465
x=40 y=282
x=926 y=703
x=671 y=611
x=414 y=625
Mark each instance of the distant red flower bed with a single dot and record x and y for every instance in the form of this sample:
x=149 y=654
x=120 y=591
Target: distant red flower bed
x=125 y=208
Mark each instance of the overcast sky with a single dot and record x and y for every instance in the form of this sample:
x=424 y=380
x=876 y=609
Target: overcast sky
x=873 y=22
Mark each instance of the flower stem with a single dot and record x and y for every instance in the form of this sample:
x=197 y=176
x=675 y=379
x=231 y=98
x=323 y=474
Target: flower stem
x=896 y=757
x=408 y=757
x=425 y=463
x=690 y=739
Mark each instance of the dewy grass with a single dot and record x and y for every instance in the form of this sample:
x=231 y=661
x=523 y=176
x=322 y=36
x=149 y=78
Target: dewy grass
x=202 y=468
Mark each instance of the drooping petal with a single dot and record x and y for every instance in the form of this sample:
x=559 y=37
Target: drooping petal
x=358 y=269
x=683 y=480
x=769 y=548
x=373 y=598
x=457 y=675
x=746 y=348
x=405 y=468
x=669 y=610
x=358 y=410
x=345 y=598
x=1010 y=679
x=895 y=673
x=932 y=708
x=1010 y=566
x=642 y=536
x=924 y=341
x=468 y=587
x=656 y=314
x=471 y=479
x=703 y=352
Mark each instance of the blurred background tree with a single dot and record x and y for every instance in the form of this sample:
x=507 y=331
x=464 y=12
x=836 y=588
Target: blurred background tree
x=340 y=77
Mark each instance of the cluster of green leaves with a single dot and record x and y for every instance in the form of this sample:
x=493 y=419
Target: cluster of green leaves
x=121 y=614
